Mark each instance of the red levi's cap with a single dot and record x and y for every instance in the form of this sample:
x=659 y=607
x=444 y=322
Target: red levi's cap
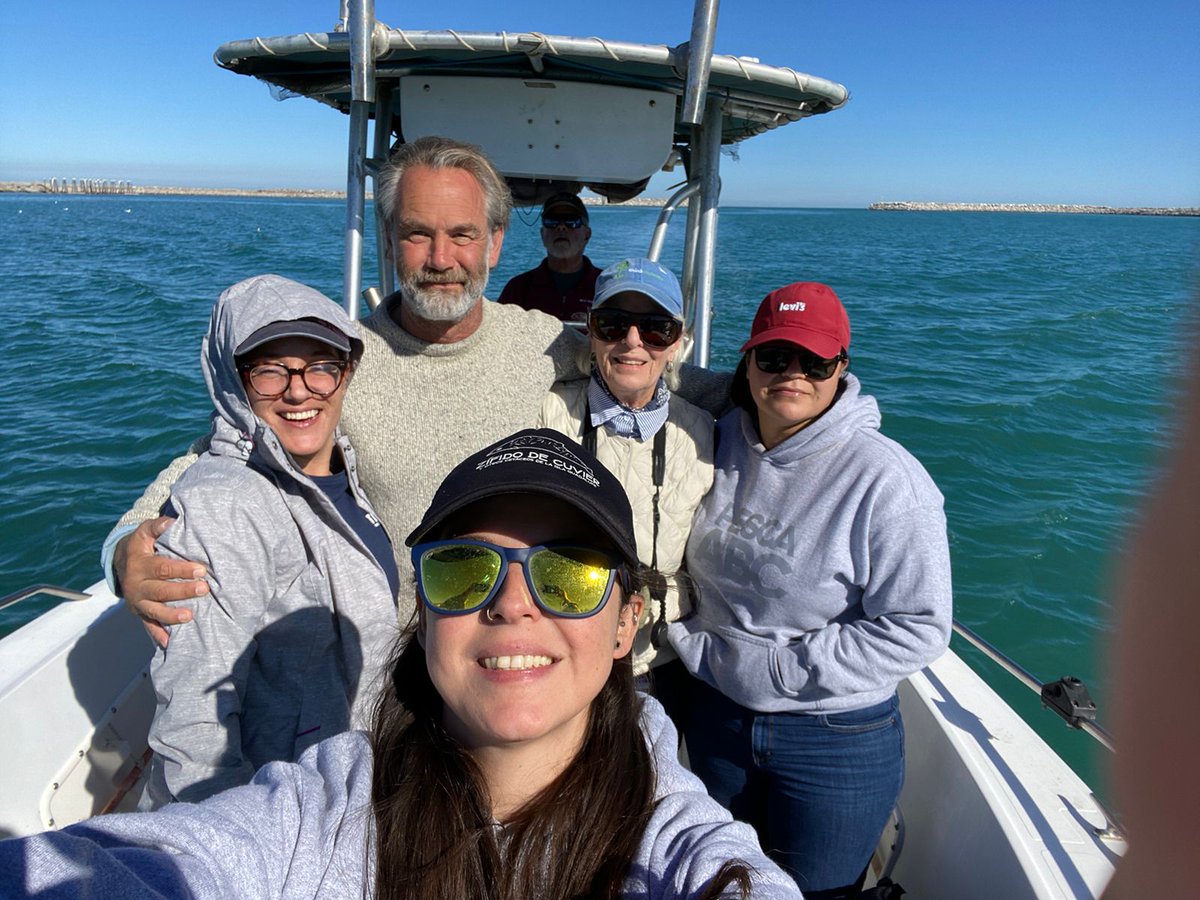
x=806 y=313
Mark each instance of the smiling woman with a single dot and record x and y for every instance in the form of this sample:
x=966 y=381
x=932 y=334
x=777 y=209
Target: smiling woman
x=302 y=578
x=511 y=756
x=822 y=558
x=658 y=444
x=296 y=389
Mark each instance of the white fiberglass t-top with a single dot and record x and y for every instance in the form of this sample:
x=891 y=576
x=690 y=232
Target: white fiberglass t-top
x=553 y=113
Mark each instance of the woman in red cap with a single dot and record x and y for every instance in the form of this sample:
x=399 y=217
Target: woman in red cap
x=824 y=580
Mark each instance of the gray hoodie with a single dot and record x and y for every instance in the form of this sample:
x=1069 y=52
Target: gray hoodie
x=304 y=831
x=285 y=649
x=822 y=565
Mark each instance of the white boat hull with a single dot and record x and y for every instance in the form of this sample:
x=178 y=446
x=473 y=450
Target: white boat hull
x=987 y=810
x=75 y=708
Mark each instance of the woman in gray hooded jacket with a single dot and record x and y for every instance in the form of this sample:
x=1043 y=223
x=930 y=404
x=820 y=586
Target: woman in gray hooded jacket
x=282 y=651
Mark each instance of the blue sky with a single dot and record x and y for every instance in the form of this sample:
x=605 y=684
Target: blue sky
x=1055 y=102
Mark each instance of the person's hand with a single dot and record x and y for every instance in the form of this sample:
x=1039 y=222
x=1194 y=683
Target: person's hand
x=149 y=582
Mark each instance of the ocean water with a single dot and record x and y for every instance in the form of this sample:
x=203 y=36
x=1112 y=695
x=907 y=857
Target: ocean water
x=1028 y=360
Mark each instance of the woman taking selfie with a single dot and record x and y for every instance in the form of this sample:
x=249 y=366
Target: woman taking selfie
x=511 y=756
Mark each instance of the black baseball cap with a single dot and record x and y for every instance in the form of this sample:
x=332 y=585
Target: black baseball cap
x=537 y=461
x=564 y=204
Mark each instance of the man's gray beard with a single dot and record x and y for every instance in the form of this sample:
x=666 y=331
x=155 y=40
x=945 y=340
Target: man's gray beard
x=435 y=306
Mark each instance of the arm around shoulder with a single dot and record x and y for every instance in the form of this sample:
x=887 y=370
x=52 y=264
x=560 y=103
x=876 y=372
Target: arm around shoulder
x=157 y=493
x=148 y=583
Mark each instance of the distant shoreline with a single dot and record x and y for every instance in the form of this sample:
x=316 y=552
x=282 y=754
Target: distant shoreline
x=90 y=187
x=912 y=206
x=87 y=187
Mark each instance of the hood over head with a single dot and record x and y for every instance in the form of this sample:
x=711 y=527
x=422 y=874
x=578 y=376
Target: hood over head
x=249 y=314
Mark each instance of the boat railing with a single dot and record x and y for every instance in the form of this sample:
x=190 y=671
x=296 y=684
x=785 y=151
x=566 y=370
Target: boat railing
x=33 y=590
x=668 y=209
x=1068 y=697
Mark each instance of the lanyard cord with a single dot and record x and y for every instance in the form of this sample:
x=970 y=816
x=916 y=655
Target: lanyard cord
x=658 y=471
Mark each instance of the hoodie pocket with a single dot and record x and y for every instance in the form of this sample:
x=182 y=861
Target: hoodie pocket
x=747 y=669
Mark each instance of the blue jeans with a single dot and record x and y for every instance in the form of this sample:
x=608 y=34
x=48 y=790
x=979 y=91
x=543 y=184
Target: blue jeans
x=817 y=788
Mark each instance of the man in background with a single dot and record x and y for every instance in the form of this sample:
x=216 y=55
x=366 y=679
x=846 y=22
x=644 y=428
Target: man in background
x=565 y=281
x=418 y=407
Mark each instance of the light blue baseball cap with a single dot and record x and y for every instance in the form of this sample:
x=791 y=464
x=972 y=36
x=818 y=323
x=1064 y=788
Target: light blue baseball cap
x=641 y=276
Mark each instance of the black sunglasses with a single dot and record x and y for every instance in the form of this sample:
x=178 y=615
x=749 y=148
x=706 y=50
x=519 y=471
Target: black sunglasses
x=562 y=223
x=775 y=360
x=656 y=330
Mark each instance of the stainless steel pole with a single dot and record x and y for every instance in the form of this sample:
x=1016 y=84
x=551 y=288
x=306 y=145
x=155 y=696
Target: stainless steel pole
x=709 y=174
x=664 y=219
x=699 y=63
x=362 y=97
x=1024 y=676
x=383 y=135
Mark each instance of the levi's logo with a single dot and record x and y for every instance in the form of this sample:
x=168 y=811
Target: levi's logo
x=798 y=306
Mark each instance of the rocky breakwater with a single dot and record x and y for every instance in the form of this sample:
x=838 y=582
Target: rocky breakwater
x=911 y=206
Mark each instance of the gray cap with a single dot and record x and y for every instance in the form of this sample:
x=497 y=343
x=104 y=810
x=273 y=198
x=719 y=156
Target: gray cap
x=301 y=328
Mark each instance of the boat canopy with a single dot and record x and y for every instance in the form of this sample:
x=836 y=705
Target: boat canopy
x=563 y=91
x=553 y=113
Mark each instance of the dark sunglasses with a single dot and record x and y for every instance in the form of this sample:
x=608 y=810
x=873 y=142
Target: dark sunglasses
x=562 y=223
x=462 y=575
x=656 y=330
x=775 y=360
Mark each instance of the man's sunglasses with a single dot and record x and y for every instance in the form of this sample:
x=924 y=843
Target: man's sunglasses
x=551 y=222
x=775 y=360
x=611 y=325
x=462 y=575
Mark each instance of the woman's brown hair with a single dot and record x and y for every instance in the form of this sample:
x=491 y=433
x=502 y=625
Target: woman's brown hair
x=435 y=838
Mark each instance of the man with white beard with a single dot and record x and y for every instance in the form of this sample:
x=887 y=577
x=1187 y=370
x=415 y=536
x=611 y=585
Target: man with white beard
x=443 y=372
x=564 y=283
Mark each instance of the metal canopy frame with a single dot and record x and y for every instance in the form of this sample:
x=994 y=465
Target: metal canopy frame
x=721 y=100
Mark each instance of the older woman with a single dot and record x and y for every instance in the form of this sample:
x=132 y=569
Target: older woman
x=511 y=757
x=824 y=579
x=657 y=444
x=301 y=611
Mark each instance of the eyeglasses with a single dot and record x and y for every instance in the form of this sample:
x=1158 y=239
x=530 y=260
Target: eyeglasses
x=271 y=380
x=460 y=576
x=611 y=325
x=774 y=360
x=554 y=222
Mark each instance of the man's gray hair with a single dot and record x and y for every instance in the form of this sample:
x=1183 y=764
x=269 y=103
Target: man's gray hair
x=443 y=153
